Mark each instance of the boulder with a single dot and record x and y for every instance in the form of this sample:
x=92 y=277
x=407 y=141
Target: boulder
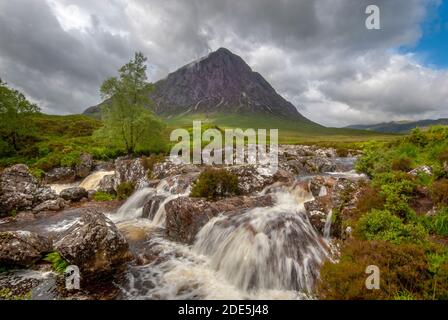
x=84 y=167
x=51 y=205
x=60 y=175
x=107 y=184
x=186 y=216
x=20 y=190
x=74 y=194
x=95 y=245
x=252 y=178
x=22 y=248
x=130 y=170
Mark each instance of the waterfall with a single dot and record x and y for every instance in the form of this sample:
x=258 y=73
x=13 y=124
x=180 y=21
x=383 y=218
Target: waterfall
x=327 y=227
x=133 y=207
x=265 y=248
x=92 y=181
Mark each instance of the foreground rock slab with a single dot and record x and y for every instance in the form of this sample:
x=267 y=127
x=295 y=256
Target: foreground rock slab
x=22 y=248
x=186 y=216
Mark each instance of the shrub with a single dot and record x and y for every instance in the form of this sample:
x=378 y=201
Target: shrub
x=403 y=269
x=370 y=198
x=215 y=183
x=439 y=223
x=382 y=225
x=397 y=189
x=124 y=190
x=38 y=173
x=443 y=157
x=57 y=262
x=70 y=159
x=402 y=164
x=342 y=152
x=439 y=192
x=103 y=196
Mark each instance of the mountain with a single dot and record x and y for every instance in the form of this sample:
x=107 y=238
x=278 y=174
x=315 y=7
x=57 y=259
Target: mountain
x=220 y=83
x=398 y=126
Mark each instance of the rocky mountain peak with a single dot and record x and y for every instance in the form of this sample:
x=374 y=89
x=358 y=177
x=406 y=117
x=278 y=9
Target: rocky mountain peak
x=219 y=83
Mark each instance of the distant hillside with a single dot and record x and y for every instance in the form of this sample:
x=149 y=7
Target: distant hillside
x=398 y=126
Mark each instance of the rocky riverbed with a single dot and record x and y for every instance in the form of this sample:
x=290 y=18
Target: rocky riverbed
x=268 y=242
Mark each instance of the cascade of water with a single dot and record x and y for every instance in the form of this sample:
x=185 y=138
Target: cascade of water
x=265 y=248
x=327 y=227
x=133 y=207
x=92 y=181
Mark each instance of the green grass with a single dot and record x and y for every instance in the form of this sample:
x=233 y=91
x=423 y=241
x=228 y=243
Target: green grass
x=57 y=262
x=290 y=131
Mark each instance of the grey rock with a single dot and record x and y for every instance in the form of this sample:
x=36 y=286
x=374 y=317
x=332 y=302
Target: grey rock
x=19 y=190
x=22 y=248
x=74 y=194
x=107 y=184
x=51 y=205
x=60 y=175
x=84 y=167
x=95 y=245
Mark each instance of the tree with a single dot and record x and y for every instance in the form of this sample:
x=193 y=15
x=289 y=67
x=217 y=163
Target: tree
x=127 y=121
x=14 y=127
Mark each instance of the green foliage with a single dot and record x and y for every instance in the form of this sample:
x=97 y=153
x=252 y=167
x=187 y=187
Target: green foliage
x=438 y=224
x=125 y=190
x=15 y=128
x=70 y=159
x=103 y=196
x=382 y=225
x=404 y=295
x=7 y=294
x=57 y=262
x=126 y=119
x=215 y=183
x=397 y=189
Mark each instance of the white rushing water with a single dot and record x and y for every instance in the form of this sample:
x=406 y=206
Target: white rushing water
x=259 y=253
x=91 y=182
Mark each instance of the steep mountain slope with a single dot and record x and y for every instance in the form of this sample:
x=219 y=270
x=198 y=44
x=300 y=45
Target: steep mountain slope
x=399 y=126
x=220 y=83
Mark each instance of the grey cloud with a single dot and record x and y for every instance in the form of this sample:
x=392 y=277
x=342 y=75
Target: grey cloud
x=317 y=53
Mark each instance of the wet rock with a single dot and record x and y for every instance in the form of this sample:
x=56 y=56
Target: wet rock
x=168 y=168
x=253 y=178
x=61 y=175
x=107 y=184
x=84 y=167
x=103 y=165
x=130 y=170
x=19 y=190
x=186 y=216
x=74 y=194
x=150 y=208
x=51 y=205
x=95 y=245
x=422 y=169
x=22 y=248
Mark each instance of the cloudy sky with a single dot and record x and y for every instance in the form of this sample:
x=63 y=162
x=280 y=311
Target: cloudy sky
x=317 y=54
